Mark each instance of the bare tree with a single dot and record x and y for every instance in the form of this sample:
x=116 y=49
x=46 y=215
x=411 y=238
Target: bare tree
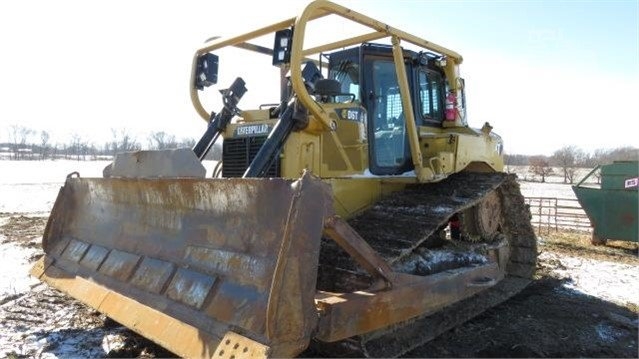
x=515 y=160
x=44 y=144
x=187 y=142
x=161 y=140
x=54 y=150
x=24 y=133
x=123 y=141
x=568 y=158
x=18 y=135
x=77 y=146
x=569 y=174
x=540 y=166
x=623 y=154
x=13 y=138
x=602 y=156
x=113 y=145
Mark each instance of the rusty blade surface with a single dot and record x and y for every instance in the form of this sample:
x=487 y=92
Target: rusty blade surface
x=186 y=261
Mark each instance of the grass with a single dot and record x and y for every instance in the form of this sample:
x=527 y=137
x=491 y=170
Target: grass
x=577 y=243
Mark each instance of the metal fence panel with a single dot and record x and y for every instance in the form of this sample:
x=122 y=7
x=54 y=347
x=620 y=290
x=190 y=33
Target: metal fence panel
x=554 y=214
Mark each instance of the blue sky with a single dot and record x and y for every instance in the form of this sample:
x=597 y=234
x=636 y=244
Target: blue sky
x=586 y=34
x=543 y=73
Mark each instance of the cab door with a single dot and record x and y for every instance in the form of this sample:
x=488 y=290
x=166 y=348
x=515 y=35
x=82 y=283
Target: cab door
x=389 y=152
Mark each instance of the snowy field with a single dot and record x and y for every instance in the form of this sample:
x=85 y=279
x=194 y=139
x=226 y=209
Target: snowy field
x=554 y=186
x=32 y=186
x=536 y=189
x=610 y=281
x=29 y=188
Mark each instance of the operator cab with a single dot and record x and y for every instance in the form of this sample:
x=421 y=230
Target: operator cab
x=368 y=72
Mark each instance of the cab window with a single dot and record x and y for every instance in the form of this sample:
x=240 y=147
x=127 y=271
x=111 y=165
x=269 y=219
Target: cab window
x=431 y=97
x=347 y=74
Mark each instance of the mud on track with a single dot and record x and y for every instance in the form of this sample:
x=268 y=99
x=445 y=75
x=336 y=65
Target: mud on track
x=552 y=317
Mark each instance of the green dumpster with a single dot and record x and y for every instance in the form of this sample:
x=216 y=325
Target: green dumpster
x=612 y=209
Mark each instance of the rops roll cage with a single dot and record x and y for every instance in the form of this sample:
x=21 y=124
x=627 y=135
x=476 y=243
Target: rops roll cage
x=298 y=54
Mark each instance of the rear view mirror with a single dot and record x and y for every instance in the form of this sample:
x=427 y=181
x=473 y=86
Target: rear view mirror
x=206 y=71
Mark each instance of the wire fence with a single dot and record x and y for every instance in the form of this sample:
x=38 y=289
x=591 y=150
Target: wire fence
x=554 y=214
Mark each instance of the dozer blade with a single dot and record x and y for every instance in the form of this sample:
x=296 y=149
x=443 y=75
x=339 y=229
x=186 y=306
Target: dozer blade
x=223 y=267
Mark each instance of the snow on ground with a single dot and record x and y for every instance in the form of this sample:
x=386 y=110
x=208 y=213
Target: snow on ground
x=38 y=321
x=46 y=324
x=14 y=269
x=610 y=281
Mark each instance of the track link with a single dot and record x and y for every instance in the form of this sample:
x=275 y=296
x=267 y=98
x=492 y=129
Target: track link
x=402 y=222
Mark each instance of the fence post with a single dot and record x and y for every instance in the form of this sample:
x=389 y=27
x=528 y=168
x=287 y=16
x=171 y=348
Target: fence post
x=556 y=226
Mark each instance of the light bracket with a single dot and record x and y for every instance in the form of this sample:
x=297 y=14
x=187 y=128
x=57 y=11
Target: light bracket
x=206 y=75
x=282 y=47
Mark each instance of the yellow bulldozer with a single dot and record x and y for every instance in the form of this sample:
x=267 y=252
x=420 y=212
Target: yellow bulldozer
x=358 y=214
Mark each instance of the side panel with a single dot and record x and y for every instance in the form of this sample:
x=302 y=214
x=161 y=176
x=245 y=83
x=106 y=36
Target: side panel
x=301 y=152
x=612 y=213
x=478 y=148
x=438 y=151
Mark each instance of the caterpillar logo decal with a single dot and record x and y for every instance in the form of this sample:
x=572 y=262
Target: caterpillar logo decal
x=252 y=130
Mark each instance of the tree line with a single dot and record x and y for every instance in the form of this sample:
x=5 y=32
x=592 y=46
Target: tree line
x=28 y=144
x=568 y=159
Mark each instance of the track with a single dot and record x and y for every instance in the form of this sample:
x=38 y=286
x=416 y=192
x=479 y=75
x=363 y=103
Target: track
x=402 y=226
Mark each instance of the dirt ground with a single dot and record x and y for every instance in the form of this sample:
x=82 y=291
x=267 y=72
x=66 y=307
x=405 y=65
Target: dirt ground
x=547 y=319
